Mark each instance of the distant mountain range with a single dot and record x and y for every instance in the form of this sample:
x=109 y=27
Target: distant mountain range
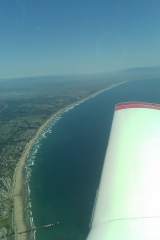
x=126 y=74
x=138 y=73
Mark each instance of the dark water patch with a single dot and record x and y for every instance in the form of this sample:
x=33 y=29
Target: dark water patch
x=68 y=164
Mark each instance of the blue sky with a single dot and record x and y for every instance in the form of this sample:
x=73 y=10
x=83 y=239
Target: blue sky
x=41 y=37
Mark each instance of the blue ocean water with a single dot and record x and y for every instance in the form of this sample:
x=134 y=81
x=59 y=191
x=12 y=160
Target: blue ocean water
x=68 y=163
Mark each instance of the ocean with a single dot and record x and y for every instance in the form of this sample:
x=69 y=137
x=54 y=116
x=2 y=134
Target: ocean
x=67 y=161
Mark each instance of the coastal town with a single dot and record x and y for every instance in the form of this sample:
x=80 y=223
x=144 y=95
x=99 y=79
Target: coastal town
x=22 y=113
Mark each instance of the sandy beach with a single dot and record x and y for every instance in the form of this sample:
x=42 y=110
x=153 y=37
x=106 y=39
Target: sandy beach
x=19 y=223
x=19 y=182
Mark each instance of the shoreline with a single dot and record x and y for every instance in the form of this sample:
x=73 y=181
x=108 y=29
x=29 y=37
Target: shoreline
x=19 y=206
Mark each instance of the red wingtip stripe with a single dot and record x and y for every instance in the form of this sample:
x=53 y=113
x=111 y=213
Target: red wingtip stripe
x=127 y=105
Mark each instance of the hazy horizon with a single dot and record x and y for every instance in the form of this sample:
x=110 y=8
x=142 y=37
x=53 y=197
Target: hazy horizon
x=130 y=72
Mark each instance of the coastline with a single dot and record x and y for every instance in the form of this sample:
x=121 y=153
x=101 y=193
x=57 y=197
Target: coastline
x=19 y=224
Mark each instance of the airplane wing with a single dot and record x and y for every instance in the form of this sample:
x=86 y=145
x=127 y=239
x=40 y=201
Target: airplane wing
x=128 y=198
